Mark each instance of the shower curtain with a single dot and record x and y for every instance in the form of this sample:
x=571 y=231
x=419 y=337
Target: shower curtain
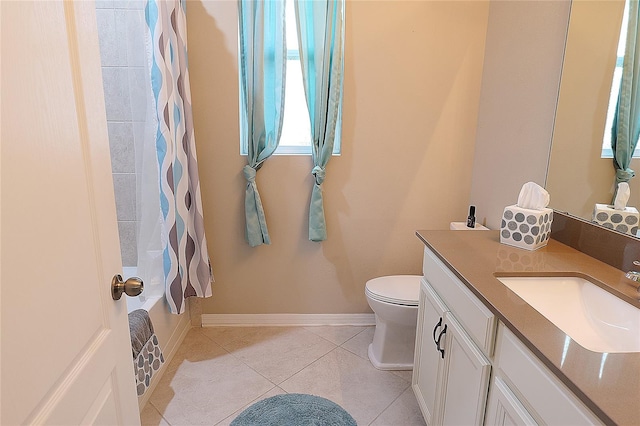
x=178 y=244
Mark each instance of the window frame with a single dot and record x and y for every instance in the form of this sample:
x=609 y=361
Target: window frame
x=294 y=55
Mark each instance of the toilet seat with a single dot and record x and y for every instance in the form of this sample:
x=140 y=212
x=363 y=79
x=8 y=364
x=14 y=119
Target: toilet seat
x=395 y=289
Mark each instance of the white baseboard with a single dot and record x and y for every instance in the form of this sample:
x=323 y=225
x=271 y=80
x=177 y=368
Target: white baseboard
x=213 y=320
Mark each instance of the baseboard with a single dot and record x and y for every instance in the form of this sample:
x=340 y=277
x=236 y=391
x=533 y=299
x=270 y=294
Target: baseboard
x=213 y=320
x=168 y=351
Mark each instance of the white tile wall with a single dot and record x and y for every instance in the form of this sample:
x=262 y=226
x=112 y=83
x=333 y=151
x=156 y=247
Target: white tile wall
x=116 y=93
x=125 y=191
x=128 y=239
x=134 y=39
x=121 y=26
x=112 y=53
x=137 y=90
x=121 y=138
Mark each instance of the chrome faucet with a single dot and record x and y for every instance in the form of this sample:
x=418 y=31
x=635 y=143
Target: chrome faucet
x=634 y=275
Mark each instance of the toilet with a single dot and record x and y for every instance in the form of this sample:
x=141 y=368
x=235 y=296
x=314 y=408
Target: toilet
x=394 y=300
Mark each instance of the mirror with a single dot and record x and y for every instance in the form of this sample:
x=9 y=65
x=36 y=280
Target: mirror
x=577 y=177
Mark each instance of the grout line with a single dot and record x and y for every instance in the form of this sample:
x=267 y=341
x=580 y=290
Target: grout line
x=310 y=364
x=391 y=403
x=158 y=411
x=241 y=409
x=310 y=328
x=316 y=360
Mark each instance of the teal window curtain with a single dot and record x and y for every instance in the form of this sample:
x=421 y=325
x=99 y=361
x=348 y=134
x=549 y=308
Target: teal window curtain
x=187 y=271
x=263 y=61
x=626 y=122
x=321 y=43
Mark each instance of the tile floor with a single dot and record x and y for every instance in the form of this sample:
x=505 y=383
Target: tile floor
x=217 y=372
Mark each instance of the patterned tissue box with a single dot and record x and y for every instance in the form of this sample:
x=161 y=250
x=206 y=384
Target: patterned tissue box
x=625 y=221
x=526 y=228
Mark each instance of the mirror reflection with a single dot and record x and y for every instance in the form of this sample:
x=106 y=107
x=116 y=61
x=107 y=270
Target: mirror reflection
x=578 y=177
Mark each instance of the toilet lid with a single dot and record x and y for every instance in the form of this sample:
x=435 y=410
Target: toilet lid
x=396 y=289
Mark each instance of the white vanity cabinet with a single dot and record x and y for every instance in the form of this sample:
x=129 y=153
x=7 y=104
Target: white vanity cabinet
x=525 y=392
x=453 y=341
x=460 y=345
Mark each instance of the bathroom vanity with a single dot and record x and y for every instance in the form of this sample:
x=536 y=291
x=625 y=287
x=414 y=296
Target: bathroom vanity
x=485 y=356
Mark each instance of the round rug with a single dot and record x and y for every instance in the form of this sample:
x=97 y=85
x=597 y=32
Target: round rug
x=294 y=409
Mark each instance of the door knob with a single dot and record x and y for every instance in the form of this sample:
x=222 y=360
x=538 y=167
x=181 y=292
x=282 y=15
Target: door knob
x=132 y=287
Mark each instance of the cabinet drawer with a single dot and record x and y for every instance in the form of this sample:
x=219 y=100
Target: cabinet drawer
x=476 y=319
x=547 y=399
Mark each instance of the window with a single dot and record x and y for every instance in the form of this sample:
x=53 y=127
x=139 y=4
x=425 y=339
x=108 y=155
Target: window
x=615 y=89
x=296 y=128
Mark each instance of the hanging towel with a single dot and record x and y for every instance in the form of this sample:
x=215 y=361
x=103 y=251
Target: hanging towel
x=147 y=356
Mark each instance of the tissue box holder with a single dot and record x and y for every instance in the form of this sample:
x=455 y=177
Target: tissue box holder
x=625 y=221
x=525 y=228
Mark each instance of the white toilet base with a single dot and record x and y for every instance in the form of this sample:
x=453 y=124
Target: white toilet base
x=386 y=366
x=394 y=339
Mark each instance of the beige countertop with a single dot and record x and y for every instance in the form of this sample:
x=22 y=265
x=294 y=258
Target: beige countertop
x=609 y=384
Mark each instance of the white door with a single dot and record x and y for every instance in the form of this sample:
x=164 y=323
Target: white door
x=428 y=363
x=65 y=350
x=503 y=407
x=466 y=376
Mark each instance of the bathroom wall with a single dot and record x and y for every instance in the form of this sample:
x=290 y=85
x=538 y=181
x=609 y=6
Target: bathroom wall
x=521 y=77
x=412 y=86
x=122 y=53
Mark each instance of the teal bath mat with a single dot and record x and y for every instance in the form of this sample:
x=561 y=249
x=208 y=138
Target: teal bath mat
x=294 y=409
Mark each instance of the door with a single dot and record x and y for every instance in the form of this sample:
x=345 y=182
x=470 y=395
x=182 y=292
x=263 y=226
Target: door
x=503 y=407
x=465 y=382
x=427 y=365
x=65 y=350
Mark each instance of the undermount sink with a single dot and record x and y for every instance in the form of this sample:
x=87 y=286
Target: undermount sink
x=593 y=317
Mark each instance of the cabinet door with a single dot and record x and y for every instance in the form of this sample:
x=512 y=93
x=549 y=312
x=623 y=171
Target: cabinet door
x=504 y=408
x=465 y=379
x=428 y=359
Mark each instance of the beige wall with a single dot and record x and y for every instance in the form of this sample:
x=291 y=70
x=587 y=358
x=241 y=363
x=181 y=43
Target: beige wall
x=412 y=85
x=578 y=176
x=523 y=60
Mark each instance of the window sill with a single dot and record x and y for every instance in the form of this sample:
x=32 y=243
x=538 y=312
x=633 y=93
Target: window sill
x=608 y=153
x=294 y=150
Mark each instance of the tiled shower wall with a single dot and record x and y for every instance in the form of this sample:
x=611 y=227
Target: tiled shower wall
x=121 y=27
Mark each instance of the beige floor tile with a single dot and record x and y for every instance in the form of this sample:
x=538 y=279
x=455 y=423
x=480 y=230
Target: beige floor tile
x=226 y=335
x=405 y=374
x=337 y=334
x=404 y=411
x=195 y=347
x=359 y=344
x=205 y=384
x=351 y=382
x=151 y=417
x=279 y=352
x=219 y=371
x=273 y=392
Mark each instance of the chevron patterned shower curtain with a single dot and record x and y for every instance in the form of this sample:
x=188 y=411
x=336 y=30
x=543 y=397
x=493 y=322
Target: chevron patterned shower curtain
x=187 y=270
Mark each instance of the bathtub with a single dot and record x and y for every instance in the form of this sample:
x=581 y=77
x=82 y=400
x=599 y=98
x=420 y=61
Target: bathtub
x=170 y=329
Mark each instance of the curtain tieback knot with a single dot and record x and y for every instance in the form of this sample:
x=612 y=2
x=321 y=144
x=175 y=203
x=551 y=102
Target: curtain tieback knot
x=249 y=173
x=319 y=173
x=624 y=175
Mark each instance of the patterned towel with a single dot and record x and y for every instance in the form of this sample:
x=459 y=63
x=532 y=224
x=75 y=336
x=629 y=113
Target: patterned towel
x=147 y=355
